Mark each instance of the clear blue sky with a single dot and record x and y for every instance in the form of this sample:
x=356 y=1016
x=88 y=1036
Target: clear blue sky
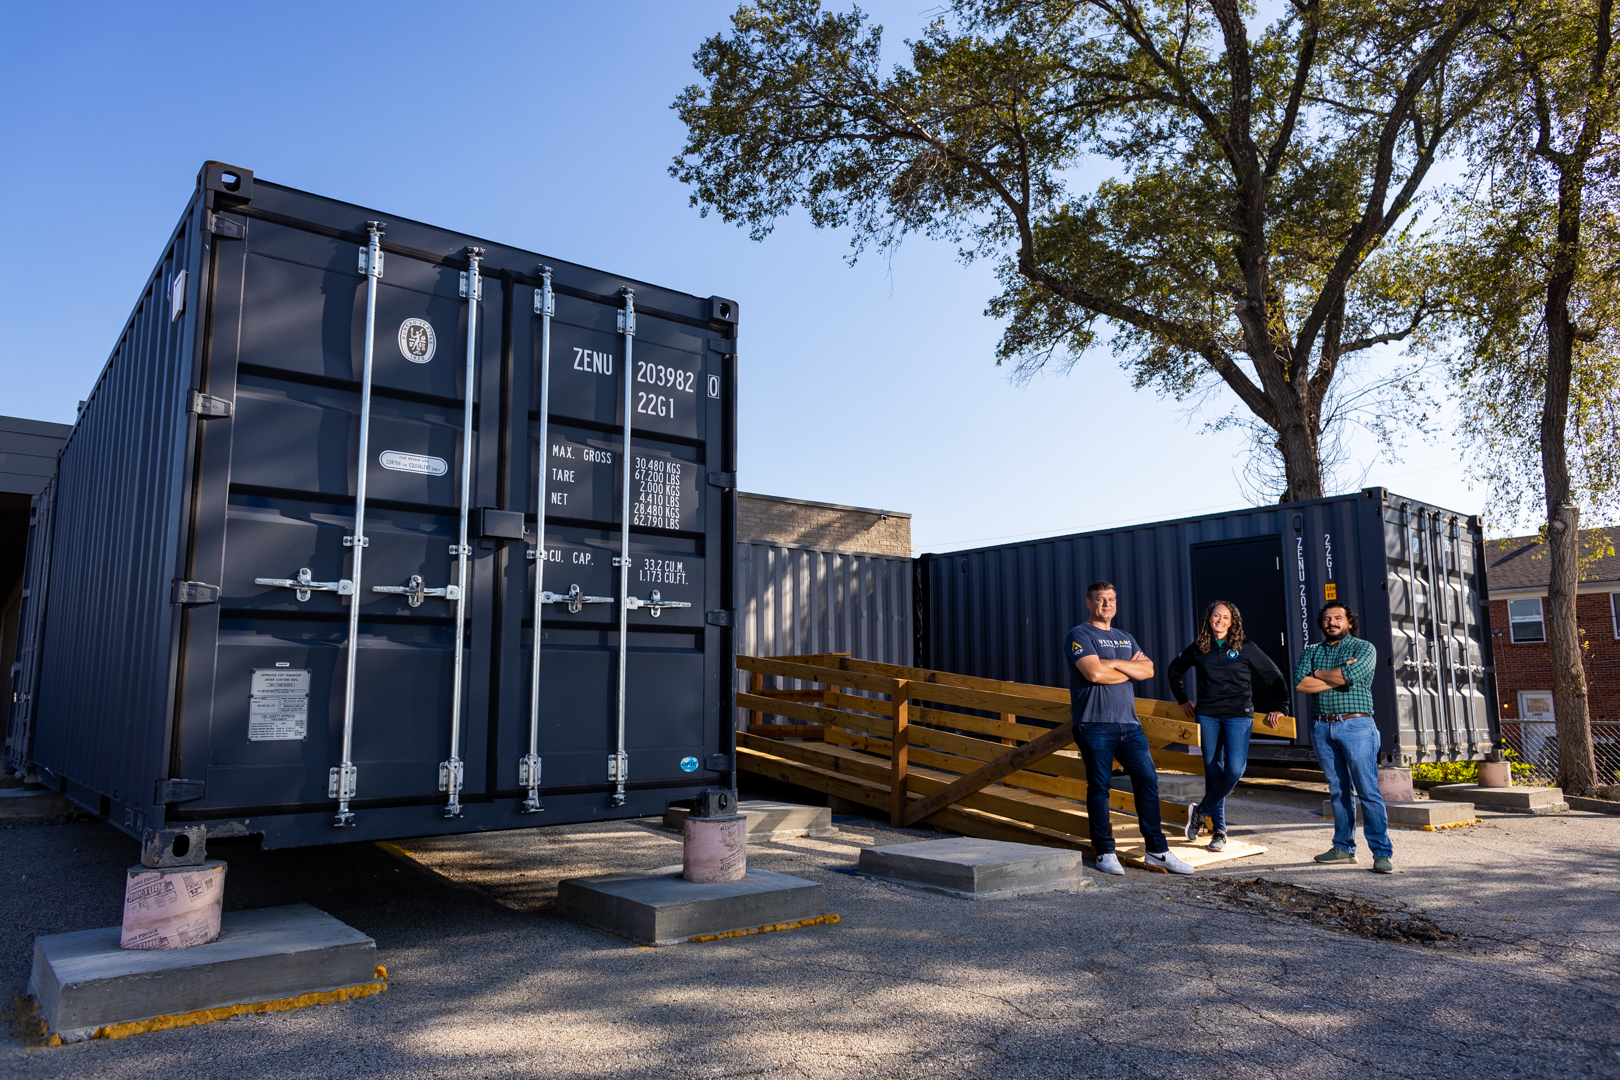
x=548 y=126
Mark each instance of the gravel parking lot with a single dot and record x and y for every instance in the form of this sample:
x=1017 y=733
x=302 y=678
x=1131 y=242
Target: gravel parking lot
x=1145 y=976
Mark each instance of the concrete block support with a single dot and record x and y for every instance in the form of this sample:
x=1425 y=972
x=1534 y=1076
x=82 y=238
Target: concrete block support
x=976 y=869
x=660 y=907
x=1395 y=785
x=84 y=981
x=769 y=820
x=1512 y=800
x=1421 y=814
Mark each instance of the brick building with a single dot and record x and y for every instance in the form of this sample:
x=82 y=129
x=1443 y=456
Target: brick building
x=803 y=523
x=1517 y=576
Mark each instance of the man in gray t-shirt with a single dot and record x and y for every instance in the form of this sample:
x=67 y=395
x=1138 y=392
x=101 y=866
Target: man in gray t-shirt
x=1102 y=663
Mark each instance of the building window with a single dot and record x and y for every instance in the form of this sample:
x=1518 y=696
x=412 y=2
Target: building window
x=1535 y=705
x=1524 y=619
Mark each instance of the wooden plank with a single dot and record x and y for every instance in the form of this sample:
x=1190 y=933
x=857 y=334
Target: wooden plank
x=854 y=741
x=814 y=673
x=1171 y=759
x=1055 y=711
x=787 y=731
x=817 y=714
x=947 y=678
x=756 y=683
x=815 y=696
x=981 y=724
x=966 y=822
x=1170 y=710
x=899 y=813
x=1166 y=728
x=865 y=792
x=839 y=700
x=1010 y=762
x=826 y=757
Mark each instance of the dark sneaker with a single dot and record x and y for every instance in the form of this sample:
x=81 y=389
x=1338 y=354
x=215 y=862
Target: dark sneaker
x=1219 y=843
x=1383 y=865
x=1337 y=855
x=1195 y=824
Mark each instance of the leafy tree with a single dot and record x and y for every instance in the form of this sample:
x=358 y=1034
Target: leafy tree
x=1252 y=233
x=1536 y=265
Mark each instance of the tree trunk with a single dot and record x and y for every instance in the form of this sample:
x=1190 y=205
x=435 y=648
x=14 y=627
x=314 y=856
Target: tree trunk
x=1298 y=445
x=1577 y=765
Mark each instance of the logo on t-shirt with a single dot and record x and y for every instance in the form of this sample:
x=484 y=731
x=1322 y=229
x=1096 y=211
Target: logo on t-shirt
x=1077 y=647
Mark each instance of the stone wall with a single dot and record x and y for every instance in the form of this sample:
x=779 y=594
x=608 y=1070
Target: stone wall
x=822 y=525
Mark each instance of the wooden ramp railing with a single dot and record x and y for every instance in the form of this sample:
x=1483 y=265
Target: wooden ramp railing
x=951 y=750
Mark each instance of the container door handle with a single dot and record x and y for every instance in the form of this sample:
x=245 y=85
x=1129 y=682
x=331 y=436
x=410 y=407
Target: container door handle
x=655 y=605
x=415 y=593
x=575 y=599
x=305 y=584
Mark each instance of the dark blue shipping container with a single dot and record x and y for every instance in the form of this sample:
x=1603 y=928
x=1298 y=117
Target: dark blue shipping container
x=1413 y=573
x=219 y=648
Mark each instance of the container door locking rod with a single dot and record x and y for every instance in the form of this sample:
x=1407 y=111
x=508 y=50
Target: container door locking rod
x=619 y=761
x=545 y=306
x=344 y=779
x=451 y=772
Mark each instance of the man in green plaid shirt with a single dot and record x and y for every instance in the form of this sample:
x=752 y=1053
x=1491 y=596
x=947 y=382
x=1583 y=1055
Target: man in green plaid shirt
x=1338 y=674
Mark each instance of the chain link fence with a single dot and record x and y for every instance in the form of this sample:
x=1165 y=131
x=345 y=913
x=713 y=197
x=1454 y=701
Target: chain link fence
x=1535 y=742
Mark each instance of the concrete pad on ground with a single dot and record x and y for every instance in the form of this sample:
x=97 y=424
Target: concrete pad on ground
x=84 y=981
x=769 y=820
x=1422 y=814
x=659 y=907
x=976 y=869
x=1509 y=800
x=20 y=804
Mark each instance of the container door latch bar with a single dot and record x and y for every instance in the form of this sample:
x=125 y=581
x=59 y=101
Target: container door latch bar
x=655 y=605
x=305 y=584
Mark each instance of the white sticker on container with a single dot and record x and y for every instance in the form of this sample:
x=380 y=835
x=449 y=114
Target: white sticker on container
x=278 y=705
x=417 y=340
x=416 y=463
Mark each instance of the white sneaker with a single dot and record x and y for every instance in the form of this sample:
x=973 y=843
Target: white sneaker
x=1109 y=864
x=1168 y=863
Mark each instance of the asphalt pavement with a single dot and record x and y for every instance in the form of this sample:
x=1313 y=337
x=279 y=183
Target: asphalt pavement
x=1141 y=976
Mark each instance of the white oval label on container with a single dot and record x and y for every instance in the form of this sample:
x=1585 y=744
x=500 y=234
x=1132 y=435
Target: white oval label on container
x=417 y=341
x=416 y=463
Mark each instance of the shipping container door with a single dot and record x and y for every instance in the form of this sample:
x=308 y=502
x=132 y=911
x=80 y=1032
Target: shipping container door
x=263 y=715
x=670 y=667
x=1247 y=573
x=1437 y=628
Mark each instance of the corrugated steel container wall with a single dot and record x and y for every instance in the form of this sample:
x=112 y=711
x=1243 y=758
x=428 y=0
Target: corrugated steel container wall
x=1002 y=612
x=116 y=535
x=217 y=456
x=30 y=628
x=796 y=600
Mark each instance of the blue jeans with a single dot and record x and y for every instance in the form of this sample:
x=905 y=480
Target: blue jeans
x=1225 y=743
x=1348 y=753
x=1101 y=745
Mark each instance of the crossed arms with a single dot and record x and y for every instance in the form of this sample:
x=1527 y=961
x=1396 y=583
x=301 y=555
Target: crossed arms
x=1109 y=672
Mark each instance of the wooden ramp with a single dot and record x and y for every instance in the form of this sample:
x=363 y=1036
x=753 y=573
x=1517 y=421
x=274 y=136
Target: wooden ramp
x=951 y=751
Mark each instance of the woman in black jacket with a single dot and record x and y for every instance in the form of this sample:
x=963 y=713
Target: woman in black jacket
x=1227 y=667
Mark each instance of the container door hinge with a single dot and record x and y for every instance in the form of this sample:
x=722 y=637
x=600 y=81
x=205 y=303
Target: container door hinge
x=177 y=791
x=342 y=781
x=726 y=480
x=655 y=604
x=224 y=227
x=718 y=763
x=723 y=346
x=529 y=777
x=717 y=617
x=209 y=407
x=305 y=584
x=194 y=592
